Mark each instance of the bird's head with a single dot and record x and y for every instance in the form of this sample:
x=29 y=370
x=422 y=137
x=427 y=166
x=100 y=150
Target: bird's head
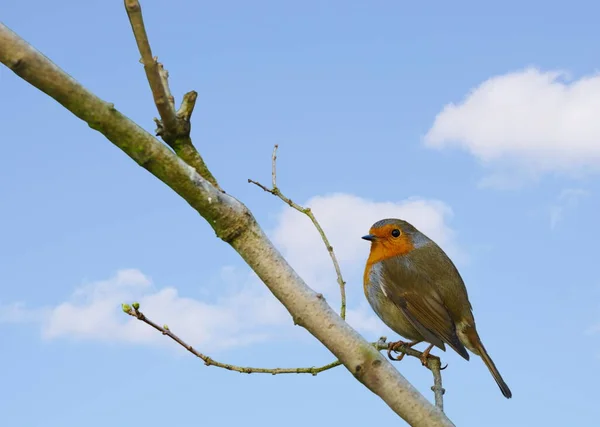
x=392 y=237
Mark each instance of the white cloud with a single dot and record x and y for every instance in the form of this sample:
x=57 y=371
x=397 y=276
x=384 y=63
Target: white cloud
x=525 y=123
x=245 y=312
x=568 y=199
x=242 y=315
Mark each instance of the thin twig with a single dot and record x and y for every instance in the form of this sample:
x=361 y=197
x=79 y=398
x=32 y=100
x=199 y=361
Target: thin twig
x=208 y=361
x=308 y=212
x=434 y=365
x=433 y=362
x=274 y=167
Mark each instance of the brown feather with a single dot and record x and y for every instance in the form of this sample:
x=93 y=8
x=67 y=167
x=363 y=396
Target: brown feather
x=421 y=304
x=473 y=337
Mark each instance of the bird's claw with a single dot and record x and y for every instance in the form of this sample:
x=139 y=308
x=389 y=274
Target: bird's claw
x=396 y=359
x=426 y=355
x=395 y=347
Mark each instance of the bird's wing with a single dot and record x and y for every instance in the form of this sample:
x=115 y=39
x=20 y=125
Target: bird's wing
x=417 y=298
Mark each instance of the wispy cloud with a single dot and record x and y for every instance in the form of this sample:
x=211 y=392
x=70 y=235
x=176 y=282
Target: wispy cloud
x=18 y=312
x=567 y=200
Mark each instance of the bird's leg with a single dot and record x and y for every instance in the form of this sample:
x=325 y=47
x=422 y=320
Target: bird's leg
x=397 y=346
x=425 y=355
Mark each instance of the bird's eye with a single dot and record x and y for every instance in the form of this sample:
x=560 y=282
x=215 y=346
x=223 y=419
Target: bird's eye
x=395 y=232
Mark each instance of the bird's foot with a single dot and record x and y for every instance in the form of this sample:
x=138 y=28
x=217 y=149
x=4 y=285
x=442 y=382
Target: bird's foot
x=426 y=355
x=397 y=347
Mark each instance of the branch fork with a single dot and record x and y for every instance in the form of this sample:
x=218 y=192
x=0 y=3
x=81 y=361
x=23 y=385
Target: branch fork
x=173 y=126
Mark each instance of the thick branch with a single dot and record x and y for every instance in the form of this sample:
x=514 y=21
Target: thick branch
x=233 y=223
x=308 y=212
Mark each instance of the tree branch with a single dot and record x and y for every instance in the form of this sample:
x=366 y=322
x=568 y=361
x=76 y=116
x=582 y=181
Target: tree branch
x=434 y=365
x=308 y=212
x=433 y=362
x=134 y=310
x=173 y=127
x=155 y=72
x=233 y=223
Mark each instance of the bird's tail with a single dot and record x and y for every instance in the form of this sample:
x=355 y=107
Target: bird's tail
x=493 y=370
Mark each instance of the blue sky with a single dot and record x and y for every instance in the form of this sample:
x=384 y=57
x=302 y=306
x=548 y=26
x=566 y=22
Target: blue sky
x=477 y=123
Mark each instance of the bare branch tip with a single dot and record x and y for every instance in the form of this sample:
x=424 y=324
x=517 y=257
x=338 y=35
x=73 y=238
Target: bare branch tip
x=187 y=105
x=132 y=5
x=191 y=95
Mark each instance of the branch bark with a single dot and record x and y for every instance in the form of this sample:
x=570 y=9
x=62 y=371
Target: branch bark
x=233 y=223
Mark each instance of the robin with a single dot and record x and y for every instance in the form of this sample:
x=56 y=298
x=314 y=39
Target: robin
x=416 y=290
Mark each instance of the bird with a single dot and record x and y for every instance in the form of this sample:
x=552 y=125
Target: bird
x=417 y=291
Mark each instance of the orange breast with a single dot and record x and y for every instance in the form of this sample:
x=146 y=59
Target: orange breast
x=385 y=249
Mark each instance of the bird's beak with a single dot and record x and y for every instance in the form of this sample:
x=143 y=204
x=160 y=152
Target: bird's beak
x=369 y=237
